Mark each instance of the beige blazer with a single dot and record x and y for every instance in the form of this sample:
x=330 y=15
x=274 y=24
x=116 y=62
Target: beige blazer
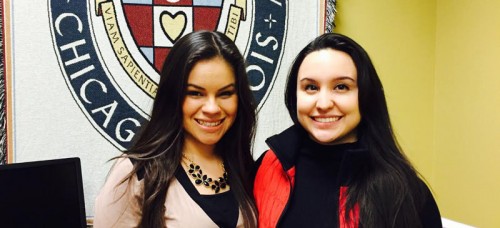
x=117 y=204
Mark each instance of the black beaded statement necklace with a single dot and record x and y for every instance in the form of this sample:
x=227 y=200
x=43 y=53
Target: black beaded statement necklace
x=202 y=179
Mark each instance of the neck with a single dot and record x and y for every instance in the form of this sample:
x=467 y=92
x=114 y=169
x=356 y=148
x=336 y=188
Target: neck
x=198 y=151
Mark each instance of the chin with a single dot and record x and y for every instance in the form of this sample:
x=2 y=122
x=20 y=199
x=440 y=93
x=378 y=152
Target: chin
x=324 y=139
x=211 y=141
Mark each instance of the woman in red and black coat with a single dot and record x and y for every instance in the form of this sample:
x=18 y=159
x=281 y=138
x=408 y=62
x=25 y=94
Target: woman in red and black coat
x=339 y=165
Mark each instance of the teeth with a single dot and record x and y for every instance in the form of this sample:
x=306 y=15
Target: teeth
x=209 y=124
x=327 y=120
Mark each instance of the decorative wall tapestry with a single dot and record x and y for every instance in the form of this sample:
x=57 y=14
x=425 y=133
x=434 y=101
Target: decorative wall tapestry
x=80 y=76
x=3 y=119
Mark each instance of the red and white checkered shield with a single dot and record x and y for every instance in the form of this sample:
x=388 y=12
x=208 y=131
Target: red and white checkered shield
x=155 y=25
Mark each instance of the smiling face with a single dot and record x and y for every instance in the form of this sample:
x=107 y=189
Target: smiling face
x=211 y=102
x=327 y=97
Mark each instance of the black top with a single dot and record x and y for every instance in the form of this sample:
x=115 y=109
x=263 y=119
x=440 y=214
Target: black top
x=315 y=198
x=222 y=208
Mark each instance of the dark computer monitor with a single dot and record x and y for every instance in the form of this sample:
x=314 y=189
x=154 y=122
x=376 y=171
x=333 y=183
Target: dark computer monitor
x=42 y=194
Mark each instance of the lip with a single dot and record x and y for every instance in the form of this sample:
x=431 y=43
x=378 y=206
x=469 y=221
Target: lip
x=210 y=125
x=325 y=121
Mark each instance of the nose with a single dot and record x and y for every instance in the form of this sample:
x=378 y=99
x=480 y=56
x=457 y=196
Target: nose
x=211 y=106
x=324 y=101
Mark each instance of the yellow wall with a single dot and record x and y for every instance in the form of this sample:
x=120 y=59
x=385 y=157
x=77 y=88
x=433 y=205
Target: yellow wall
x=399 y=36
x=467 y=110
x=440 y=65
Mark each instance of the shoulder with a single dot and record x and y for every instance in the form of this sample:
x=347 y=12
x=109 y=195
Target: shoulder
x=116 y=204
x=270 y=168
x=122 y=164
x=269 y=156
x=258 y=162
x=120 y=170
x=117 y=181
x=429 y=213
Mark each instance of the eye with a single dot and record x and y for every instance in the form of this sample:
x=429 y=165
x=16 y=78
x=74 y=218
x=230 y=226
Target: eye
x=194 y=93
x=227 y=93
x=341 y=87
x=311 y=87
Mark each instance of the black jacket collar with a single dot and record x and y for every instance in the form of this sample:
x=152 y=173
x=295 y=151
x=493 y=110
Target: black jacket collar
x=286 y=146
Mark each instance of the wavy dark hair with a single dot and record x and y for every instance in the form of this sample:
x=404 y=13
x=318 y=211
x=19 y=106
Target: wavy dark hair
x=388 y=191
x=157 y=149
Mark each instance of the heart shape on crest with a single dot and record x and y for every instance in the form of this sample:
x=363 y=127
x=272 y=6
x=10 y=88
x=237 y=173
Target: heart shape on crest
x=173 y=25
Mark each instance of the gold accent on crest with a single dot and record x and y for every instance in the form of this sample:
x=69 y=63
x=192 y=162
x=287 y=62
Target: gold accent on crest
x=237 y=13
x=243 y=5
x=128 y=63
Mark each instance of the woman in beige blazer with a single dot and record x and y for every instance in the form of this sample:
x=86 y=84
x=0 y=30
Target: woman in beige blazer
x=190 y=165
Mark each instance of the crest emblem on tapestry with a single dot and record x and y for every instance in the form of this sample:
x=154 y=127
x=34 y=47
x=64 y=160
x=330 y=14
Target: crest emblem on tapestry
x=111 y=51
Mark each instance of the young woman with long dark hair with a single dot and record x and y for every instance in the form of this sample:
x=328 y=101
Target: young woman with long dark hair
x=339 y=165
x=189 y=166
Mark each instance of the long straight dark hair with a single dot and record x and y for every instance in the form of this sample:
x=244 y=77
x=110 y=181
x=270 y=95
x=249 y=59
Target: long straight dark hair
x=388 y=191
x=157 y=150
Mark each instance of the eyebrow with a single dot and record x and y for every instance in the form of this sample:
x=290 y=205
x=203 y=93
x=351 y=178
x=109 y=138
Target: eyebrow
x=223 y=88
x=335 y=79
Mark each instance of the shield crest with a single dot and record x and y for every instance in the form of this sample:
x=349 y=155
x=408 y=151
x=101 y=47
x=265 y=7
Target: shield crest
x=156 y=25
